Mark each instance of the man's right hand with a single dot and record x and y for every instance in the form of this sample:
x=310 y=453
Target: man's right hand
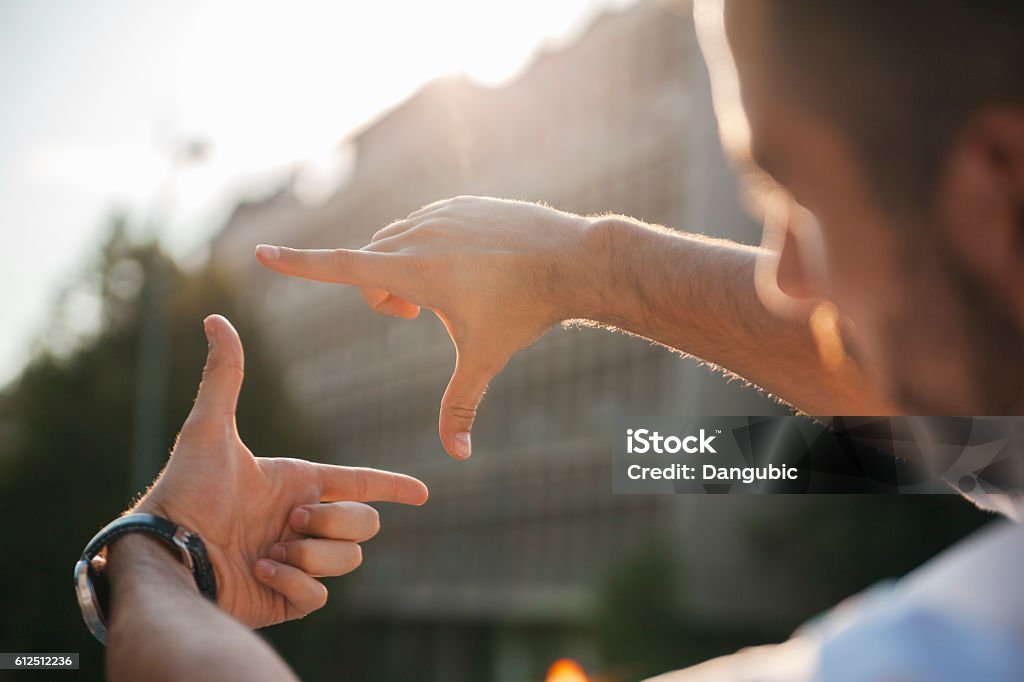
x=498 y=273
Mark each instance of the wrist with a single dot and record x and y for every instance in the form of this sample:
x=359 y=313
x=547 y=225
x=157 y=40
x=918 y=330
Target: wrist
x=597 y=281
x=138 y=556
x=136 y=565
x=151 y=504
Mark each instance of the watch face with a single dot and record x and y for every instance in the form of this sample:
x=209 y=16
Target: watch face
x=88 y=602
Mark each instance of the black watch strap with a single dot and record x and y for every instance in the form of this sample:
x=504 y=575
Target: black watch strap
x=93 y=596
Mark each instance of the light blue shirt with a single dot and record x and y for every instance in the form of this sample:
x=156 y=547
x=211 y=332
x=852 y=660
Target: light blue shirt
x=958 y=618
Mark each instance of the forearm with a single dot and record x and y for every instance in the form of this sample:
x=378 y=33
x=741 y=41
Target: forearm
x=698 y=296
x=162 y=629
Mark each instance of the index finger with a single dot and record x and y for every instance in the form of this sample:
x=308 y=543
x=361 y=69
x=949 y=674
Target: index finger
x=339 y=266
x=360 y=484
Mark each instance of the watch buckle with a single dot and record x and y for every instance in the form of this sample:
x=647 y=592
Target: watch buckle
x=180 y=540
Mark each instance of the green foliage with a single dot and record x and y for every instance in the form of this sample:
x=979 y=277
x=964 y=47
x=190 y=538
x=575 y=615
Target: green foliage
x=857 y=540
x=66 y=433
x=640 y=626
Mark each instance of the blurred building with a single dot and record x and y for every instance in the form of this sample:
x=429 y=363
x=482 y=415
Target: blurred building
x=522 y=535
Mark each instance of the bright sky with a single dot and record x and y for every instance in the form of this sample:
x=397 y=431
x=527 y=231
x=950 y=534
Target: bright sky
x=95 y=93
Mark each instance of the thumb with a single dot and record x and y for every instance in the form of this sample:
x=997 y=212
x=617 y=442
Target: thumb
x=222 y=375
x=460 y=402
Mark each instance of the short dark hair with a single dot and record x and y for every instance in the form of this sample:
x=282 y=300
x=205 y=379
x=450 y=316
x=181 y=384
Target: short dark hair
x=900 y=77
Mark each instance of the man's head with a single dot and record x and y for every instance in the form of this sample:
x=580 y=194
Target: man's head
x=900 y=127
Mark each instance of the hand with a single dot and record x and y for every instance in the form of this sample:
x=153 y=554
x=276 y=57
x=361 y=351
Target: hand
x=498 y=273
x=271 y=526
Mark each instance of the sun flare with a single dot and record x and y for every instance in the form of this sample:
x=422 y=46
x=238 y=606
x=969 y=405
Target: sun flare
x=566 y=670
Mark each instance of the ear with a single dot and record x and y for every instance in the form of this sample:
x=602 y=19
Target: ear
x=982 y=201
x=782 y=276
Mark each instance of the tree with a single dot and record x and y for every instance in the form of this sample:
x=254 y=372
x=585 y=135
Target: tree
x=66 y=427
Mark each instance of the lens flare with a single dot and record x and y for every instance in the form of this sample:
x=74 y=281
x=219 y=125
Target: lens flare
x=566 y=670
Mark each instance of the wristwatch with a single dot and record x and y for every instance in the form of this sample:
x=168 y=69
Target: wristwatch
x=91 y=585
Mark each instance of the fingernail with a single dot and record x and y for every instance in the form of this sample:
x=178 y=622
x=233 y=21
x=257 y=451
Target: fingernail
x=300 y=518
x=268 y=252
x=208 y=329
x=463 y=445
x=277 y=553
x=265 y=569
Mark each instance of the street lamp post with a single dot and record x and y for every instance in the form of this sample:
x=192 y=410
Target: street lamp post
x=148 y=438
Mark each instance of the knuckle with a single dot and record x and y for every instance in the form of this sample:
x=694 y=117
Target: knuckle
x=462 y=411
x=222 y=367
x=428 y=228
x=386 y=230
x=432 y=205
x=362 y=484
x=300 y=553
x=340 y=259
